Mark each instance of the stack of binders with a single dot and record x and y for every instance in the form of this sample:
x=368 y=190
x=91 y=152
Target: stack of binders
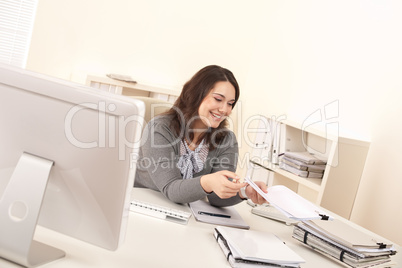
x=345 y=243
x=303 y=164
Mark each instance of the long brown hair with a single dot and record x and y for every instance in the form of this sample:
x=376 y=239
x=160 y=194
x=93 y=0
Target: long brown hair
x=194 y=91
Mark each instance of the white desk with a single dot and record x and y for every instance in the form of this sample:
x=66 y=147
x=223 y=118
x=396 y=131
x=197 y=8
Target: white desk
x=151 y=242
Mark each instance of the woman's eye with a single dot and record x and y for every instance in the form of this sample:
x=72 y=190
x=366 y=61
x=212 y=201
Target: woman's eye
x=218 y=99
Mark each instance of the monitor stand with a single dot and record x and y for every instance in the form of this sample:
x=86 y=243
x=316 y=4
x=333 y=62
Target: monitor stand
x=19 y=211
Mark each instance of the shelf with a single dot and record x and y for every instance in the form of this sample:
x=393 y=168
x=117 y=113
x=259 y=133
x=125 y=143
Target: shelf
x=346 y=156
x=312 y=183
x=132 y=89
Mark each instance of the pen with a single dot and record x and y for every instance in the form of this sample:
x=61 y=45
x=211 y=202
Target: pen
x=234 y=180
x=213 y=214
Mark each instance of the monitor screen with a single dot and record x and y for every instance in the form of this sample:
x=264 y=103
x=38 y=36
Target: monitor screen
x=70 y=146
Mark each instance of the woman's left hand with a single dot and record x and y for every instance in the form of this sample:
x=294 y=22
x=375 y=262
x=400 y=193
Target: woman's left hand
x=254 y=196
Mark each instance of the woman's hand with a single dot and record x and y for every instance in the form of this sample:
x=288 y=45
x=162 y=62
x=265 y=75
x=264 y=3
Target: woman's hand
x=220 y=184
x=253 y=195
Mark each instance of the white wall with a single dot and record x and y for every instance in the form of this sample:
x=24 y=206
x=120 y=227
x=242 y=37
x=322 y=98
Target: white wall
x=290 y=57
x=158 y=42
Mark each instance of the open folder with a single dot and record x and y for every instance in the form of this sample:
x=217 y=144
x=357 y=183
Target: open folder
x=245 y=248
x=290 y=203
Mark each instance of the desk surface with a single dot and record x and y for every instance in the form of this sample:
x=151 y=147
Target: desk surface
x=152 y=242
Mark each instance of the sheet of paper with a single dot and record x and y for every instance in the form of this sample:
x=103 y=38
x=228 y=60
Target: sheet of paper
x=290 y=203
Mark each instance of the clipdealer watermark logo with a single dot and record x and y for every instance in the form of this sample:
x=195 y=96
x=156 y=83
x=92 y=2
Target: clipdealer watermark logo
x=271 y=138
x=114 y=132
x=95 y=125
x=263 y=139
x=328 y=117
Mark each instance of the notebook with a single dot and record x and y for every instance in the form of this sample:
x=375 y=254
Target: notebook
x=160 y=212
x=227 y=216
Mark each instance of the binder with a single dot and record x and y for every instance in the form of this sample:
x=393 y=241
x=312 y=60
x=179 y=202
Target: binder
x=248 y=248
x=300 y=173
x=347 y=235
x=276 y=134
x=306 y=158
x=345 y=243
x=302 y=166
x=266 y=155
x=260 y=142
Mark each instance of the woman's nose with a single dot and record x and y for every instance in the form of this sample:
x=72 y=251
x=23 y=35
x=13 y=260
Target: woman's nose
x=224 y=108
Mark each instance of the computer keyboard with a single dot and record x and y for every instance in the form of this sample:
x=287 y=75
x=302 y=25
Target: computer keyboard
x=271 y=212
x=161 y=212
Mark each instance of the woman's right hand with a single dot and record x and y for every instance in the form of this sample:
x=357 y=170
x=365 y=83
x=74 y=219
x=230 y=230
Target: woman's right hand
x=220 y=184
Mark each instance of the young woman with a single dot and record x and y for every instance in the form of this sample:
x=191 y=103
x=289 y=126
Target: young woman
x=188 y=153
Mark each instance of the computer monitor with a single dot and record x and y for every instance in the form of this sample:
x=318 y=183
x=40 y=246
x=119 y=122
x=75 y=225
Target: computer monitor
x=72 y=147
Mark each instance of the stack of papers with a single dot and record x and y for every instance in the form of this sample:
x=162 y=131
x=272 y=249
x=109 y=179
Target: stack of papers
x=252 y=248
x=303 y=164
x=290 y=203
x=306 y=157
x=345 y=243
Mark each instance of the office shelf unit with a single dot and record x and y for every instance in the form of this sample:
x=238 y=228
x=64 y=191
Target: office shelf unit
x=345 y=156
x=132 y=89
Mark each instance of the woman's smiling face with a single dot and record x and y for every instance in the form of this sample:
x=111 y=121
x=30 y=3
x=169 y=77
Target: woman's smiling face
x=216 y=106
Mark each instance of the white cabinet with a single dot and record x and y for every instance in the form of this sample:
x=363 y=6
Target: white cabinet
x=337 y=189
x=132 y=89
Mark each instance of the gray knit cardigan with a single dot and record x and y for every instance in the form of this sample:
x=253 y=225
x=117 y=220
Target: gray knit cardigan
x=157 y=164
